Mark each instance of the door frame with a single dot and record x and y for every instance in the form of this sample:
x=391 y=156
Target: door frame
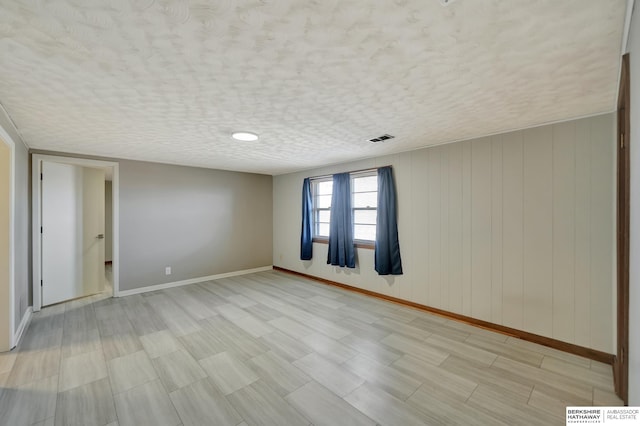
x=36 y=191
x=621 y=363
x=7 y=140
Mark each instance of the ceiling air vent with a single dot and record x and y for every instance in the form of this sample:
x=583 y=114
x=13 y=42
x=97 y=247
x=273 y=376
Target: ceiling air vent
x=381 y=138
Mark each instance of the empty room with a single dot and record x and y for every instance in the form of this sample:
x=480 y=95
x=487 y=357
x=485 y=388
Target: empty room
x=319 y=213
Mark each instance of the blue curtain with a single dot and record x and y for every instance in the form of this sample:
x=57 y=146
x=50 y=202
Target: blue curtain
x=306 y=236
x=387 y=255
x=341 y=247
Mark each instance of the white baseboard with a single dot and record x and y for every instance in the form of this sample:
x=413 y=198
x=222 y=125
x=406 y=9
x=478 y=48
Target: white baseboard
x=190 y=281
x=24 y=324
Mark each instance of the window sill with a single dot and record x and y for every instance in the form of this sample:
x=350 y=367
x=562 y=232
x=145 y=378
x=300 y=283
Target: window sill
x=370 y=245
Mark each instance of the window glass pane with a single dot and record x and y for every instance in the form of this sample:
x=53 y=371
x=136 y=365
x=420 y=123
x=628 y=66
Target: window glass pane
x=365 y=199
x=323 y=201
x=321 y=204
x=364 y=232
x=323 y=229
x=324 y=215
x=365 y=183
x=364 y=217
x=324 y=187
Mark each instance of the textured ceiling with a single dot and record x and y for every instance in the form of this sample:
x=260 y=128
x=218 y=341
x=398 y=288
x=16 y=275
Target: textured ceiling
x=169 y=80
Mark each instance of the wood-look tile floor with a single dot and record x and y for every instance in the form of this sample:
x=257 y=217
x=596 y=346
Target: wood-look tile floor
x=274 y=349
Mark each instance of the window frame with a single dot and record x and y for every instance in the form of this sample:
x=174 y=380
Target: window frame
x=356 y=175
x=316 y=210
x=322 y=239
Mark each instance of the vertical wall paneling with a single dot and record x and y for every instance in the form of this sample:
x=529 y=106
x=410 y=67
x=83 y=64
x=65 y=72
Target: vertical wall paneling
x=455 y=227
x=512 y=230
x=481 y=229
x=538 y=247
x=564 y=185
x=582 y=226
x=601 y=244
x=444 y=228
x=433 y=217
x=496 y=230
x=516 y=229
x=466 y=228
x=402 y=173
x=419 y=249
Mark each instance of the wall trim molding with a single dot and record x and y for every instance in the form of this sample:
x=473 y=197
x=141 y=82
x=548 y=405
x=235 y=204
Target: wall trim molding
x=22 y=327
x=192 y=281
x=571 y=348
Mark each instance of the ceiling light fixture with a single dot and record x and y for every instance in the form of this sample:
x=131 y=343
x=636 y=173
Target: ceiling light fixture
x=245 y=136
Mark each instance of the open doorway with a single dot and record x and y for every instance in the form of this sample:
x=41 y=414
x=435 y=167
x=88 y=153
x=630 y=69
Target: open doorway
x=69 y=229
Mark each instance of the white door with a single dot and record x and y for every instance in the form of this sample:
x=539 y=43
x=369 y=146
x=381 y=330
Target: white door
x=72 y=222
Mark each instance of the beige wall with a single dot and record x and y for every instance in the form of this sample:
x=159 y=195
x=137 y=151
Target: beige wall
x=5 y=304
x=516 y=229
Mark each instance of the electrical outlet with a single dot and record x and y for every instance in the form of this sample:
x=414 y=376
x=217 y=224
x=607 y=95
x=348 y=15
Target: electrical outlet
x=167 y=270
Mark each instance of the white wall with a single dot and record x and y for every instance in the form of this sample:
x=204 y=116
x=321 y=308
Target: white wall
x=634 y=250
x=516 y=229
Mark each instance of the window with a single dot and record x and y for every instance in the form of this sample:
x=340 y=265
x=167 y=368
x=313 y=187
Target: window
x=321 y=190
x=364 y=203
